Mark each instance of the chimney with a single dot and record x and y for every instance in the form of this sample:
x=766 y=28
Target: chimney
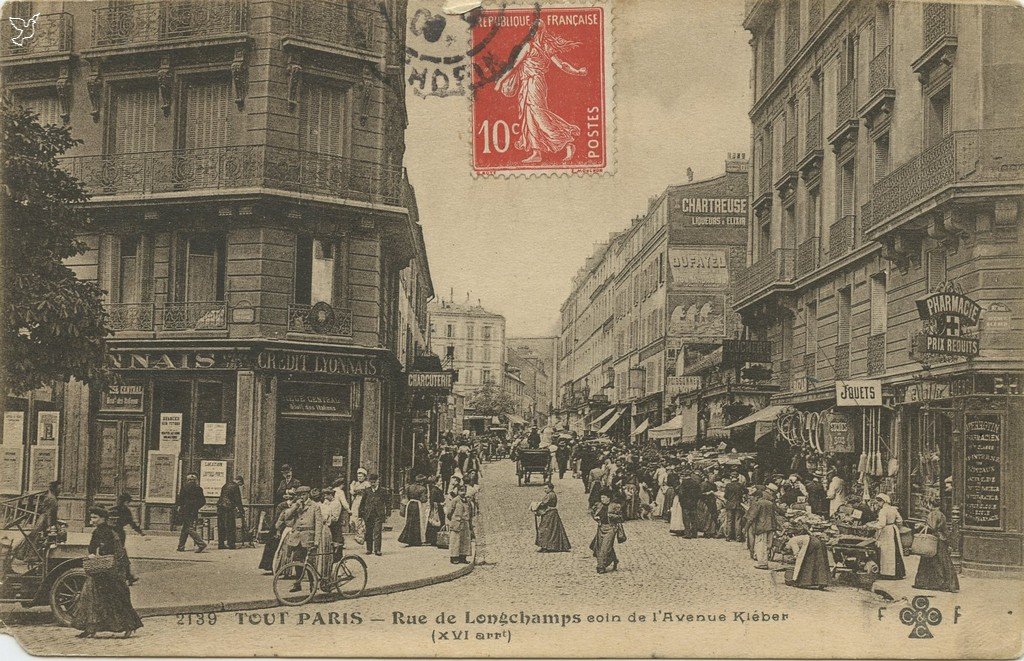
x=737 y=162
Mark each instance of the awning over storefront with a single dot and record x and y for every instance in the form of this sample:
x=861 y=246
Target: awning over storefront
x=680 y=429
x=641 y=428
x=515 y=419
x=611 y=421
x=601 y=418
x=767 y=414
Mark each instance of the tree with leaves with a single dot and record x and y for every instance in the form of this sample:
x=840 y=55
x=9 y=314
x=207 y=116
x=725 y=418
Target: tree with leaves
x=490 y=400
x=53 y=323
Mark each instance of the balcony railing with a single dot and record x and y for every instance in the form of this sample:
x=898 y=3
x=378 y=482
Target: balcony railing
x=237 y=167
x=938 y=23
x=880 y=72
x=335 y=23
x=789 y=155
x=840 y=237
x=985 y=156
x=208 y=315
x=130 y=316
x=144 y=23
x=876 y=354
x=846 y=100
x=792 y=43
x=813 y=134
x=53 y=34
x=814 y=15
x=775 y=267
x=843 y=361
x=807 y=257
x=810 y=365
x=764 y=176
x=320 y=320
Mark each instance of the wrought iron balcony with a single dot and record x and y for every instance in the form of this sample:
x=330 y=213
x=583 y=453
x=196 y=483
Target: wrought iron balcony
x=764 y=177
x=840 y=237
x=237 y=167
x=846 y=101
x=53 y=35
x=130 y=316
x=774 y=268
x=938 y=23
x=876 y=354
x=842 y=361
x=813 y=134
x=320 y=319
x=335 y=23
x=880 y=72
x=792 y=43
x=191 y=315
x=991 y=156
x=146 y=23
x=815 y=14
x=807 y=257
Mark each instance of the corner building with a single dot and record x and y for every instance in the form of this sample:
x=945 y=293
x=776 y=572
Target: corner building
x=252 y=221
x=888 y=149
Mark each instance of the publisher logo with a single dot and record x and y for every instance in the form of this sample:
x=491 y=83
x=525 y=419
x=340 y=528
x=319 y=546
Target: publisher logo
x=919 y=616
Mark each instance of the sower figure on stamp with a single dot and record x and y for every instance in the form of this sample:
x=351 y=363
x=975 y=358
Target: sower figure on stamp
x=542 y=129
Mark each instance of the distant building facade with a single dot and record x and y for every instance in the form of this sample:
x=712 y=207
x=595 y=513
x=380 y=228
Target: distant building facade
x=470 y=340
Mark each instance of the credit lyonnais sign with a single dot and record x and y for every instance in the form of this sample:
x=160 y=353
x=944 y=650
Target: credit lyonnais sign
x=948 y=316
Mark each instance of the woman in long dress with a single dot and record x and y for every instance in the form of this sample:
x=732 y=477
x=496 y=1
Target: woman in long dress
x=105 y=603
x=811 y=569
x=273 y=536
x=415 y=531
x=551 y=537
x=459 y=511
x=890 y=548
x=676 y=526
x=542 y=129
x=836 y=494
x=435 y=496
x=356 y=489
x=608 y=517
x=937 y=572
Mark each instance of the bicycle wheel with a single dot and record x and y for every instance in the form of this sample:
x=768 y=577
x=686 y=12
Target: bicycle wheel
x=295 y=584
x=350 y=576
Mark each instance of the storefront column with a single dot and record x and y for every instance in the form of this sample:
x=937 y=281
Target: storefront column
x=369 y=455
x=265 y=400
x=246 y=423
x=74 y=452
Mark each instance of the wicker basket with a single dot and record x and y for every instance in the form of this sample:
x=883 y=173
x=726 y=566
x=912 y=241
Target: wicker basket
x=100 y=564
x=925 y=545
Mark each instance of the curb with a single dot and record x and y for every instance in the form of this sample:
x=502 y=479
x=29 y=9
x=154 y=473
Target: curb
x=222 y=606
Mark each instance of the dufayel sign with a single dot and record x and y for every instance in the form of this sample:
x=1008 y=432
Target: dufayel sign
x=949 y=318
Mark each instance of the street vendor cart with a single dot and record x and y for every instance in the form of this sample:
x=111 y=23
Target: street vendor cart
x=529 y=462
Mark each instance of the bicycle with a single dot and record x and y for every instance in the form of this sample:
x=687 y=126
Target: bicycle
x=348 y=577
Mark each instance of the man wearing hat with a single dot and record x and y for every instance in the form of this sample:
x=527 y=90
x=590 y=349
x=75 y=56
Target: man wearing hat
x=229 y=502
x=307 y=521
x=374 y=511
x=190 y=500
x=762 y=522
x=288 y=481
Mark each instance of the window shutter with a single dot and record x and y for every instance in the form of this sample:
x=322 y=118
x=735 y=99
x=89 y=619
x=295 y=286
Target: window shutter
x=321 y=117
x=844 y=316
x=206 y=117
x=878 y=304
x=145 y=261
x=881 y=157
x=340 y=273
x=947 y=117
x=304 y=270
x=135 y=120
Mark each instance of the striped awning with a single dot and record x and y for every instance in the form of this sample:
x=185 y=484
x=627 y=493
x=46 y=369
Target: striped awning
x=641 y=428
x=611 y=421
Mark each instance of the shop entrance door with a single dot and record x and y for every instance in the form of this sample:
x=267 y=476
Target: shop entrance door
x=313 y=447
x=117 y=460
x=931 y=456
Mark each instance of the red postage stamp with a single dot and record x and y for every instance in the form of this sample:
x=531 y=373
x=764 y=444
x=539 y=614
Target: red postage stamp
x=542 y=90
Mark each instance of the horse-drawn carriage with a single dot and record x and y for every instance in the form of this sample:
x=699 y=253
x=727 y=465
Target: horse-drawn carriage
x=530 y=461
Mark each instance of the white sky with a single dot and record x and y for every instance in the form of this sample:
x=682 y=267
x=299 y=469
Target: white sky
x=681 y=98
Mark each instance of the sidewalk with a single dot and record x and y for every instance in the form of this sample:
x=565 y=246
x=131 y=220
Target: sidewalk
x=173 y=582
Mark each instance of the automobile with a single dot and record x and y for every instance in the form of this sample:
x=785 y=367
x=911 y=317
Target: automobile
x=40 y=568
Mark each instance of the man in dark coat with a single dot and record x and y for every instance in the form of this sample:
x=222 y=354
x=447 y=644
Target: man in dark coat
x=190 y=500
x=817 y=498
x=534 y=439
x=562 y=457
x=734 y=509
x=374 y=511
x=689 y=495
x=288 y=481
x=446 y=467
x=228 y=504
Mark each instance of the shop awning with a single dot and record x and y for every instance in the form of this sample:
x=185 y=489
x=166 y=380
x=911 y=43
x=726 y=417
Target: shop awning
x=767 y=414
x=611 y=421
x=641 y=428
x=682 y=428
x=604 y=416
x=515 y=419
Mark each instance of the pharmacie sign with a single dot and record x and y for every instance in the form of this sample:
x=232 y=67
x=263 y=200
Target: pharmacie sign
x=948 y=316
x=860 y=392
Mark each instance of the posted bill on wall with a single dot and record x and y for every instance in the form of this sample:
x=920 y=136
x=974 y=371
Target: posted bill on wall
x=512 y=328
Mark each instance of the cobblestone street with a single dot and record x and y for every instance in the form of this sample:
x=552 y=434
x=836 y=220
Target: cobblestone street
x=658 y=574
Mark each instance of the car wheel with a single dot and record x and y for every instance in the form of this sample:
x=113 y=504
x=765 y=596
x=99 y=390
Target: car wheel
x=65 y=593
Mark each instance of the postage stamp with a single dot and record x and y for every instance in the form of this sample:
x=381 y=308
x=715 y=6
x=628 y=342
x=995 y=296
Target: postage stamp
x=542 y=100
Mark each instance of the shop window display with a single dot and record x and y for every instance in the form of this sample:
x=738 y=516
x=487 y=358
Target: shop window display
x=930 y=460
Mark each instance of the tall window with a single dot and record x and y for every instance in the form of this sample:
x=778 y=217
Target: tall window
x=811 y=327
x=129 y=290
x=813 y=212
x=44 y=103
x=487 y=376
x=487 y=332
x=322 y=118
x=204 y=274
x=939 y=119
x=844 y=316
x=878 y=304
x=317 y=271
x=206 y=113
x=469 y=331
x=845 y=190
x=449 y=330
x=449 y=352
x=469 y=353
x=789 y=226
x=935 y=266
x=134 y=117
x=487 y=354
x=764 y=239
x=881 y=160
